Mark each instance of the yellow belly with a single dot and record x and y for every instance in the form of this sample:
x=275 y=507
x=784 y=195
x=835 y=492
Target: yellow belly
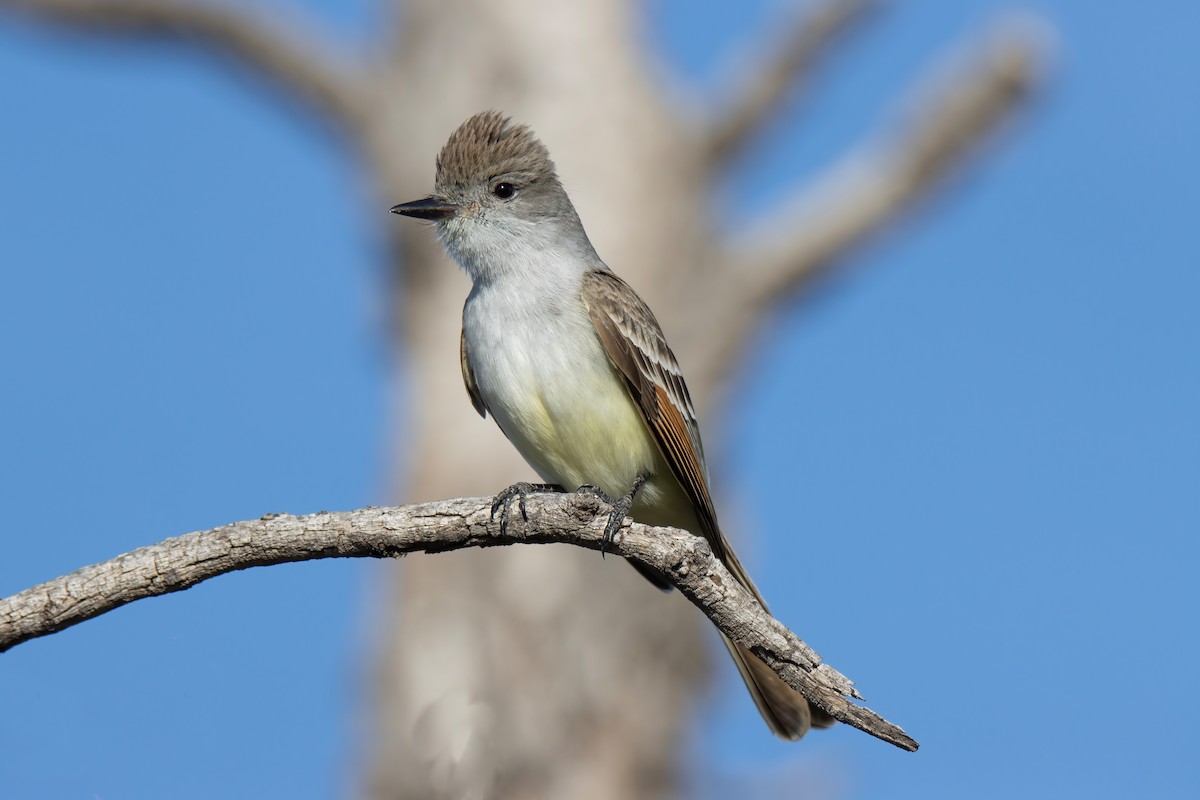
x=586 y=429
x=603 y=442
x=578 y=430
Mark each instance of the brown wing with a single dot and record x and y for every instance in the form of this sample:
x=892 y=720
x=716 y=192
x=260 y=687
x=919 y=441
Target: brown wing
x=468 y=378
x=637 y=347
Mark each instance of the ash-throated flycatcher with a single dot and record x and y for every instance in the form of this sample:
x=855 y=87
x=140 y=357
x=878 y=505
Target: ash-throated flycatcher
x=572 y=364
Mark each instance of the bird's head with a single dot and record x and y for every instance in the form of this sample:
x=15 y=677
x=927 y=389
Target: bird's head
x=496 y=195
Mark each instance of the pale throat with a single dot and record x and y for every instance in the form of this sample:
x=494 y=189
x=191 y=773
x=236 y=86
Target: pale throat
x=537 y=255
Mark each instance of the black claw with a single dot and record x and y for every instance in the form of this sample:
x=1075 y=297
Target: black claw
x=620 y=509
x=520 y=490
x=619 y=512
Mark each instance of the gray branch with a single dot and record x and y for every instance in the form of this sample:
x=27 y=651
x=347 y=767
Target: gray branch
x=687 y=561
x=293 y=55
x=780 y=75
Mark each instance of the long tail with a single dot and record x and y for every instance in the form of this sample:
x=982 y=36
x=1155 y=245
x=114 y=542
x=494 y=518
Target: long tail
x=786 y=712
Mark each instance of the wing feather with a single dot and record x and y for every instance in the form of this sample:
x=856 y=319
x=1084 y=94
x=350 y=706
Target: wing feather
x=638 y=349
x=469 y=377
x=636 y=346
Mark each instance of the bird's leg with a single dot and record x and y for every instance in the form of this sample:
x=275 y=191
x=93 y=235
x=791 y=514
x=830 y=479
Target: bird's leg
x=503 y=501
x=620 y=508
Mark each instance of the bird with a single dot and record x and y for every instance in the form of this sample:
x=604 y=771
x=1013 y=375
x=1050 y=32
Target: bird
x=573 y=366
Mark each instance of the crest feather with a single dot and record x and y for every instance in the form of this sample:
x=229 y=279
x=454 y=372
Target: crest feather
x=490 y=144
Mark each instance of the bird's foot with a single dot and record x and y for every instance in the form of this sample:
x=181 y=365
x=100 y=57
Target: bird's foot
x=519 y=491
x=620 y=509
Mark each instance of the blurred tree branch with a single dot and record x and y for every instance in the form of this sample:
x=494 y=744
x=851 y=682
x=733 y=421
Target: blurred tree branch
x=285 y=49
x=686 y=560
x=780 y=74
x=948 y=116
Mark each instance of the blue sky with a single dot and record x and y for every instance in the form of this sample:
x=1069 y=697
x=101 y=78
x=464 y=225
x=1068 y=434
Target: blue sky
x=991 y=423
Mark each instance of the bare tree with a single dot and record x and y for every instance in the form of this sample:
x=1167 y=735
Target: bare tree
x=591 y=691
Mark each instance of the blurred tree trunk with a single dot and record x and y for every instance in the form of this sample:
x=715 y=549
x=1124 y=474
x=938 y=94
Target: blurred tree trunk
x=547 y=672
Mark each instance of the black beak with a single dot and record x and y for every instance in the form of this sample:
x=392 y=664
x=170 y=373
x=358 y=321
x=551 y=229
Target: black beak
x=426 y=208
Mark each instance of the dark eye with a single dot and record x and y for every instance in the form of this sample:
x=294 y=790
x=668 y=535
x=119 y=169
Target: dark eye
x=504 y=190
